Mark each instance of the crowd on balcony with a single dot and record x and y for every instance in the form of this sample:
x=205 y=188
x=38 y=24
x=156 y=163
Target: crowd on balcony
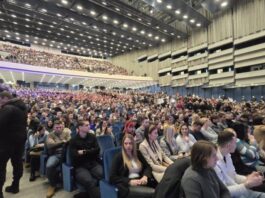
x=34 y=57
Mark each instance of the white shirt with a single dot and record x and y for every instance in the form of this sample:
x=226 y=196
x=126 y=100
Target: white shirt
x=227 y=174
x=183 y=145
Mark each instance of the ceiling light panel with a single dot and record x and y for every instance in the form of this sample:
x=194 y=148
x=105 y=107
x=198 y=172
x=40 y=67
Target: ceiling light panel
x=175 y=8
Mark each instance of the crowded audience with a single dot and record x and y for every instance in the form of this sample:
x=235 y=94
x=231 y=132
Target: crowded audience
x=34 y=57
x=155 y=130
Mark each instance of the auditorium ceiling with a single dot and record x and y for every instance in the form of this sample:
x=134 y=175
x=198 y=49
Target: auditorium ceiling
x=103 y=28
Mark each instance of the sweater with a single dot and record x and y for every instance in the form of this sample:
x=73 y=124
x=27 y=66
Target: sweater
x=203 y=183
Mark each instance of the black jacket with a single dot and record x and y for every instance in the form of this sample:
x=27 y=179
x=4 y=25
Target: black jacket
x=119 y=174
x=89 y=143
x=170 y=185
x=13 y=123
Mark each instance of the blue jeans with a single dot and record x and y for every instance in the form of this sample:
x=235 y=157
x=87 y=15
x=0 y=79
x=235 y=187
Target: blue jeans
x=52 y=169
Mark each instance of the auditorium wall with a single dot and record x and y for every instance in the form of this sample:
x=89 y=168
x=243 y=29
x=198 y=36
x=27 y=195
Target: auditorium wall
x=246 y=18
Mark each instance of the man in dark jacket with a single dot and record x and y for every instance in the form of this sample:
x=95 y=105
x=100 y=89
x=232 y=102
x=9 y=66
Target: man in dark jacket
x=13 y=123
x=84 y=151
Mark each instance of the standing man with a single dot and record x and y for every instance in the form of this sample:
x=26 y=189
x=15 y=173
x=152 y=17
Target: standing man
x=84 y=151
x=13 y=123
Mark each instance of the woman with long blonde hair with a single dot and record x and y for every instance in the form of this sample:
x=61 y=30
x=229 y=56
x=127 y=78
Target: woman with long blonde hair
x=169 y=145
x=130 y=172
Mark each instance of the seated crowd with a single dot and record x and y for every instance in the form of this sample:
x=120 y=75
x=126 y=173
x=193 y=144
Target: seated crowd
x=223 y=139
x=39 y=58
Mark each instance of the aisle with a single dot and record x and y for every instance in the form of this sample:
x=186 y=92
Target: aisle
x=36 y=189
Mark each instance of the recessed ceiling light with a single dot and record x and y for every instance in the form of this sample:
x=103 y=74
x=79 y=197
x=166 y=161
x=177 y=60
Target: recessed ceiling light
x=169 y=6
x=104 y=3
x=18 y=38
x=129 y=14
x=27 y=26
x=192 y=21
x=93 y=13
x=58 y=14
x=125 y=25
x=40 y=23
x=163 y=40
x=134 y=29
x=64 y=2
x=104 y=17
x=156 y=37
x=185 y=16
x=14 y=16
x=15 y=22
x=43 y=10
x=142 y=32
x=43 y=43
x=115 y=21
x=117 y=9
x=79 y=7
x=198 y=25
x=150 y=35
x=177 y=12
x=36 y=42
x=8 y=36
x=224 y=4
x=159 y=1
x=27 y=5
x=27 y=19
x=139 y=19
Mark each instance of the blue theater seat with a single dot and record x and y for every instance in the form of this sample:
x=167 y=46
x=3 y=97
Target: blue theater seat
x=106 y=189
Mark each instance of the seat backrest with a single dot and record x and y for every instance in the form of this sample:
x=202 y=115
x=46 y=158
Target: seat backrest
x=107 y=160
x=68 y=159
x=105 y=142
x=170 y=185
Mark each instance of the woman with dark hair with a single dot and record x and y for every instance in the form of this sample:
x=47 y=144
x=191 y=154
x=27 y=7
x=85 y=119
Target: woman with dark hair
x=104 y=129
x=185 y=140
x=153 y=153
x=130 y=172
x=49 y=126
x=247 y=147
x=200 y=179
